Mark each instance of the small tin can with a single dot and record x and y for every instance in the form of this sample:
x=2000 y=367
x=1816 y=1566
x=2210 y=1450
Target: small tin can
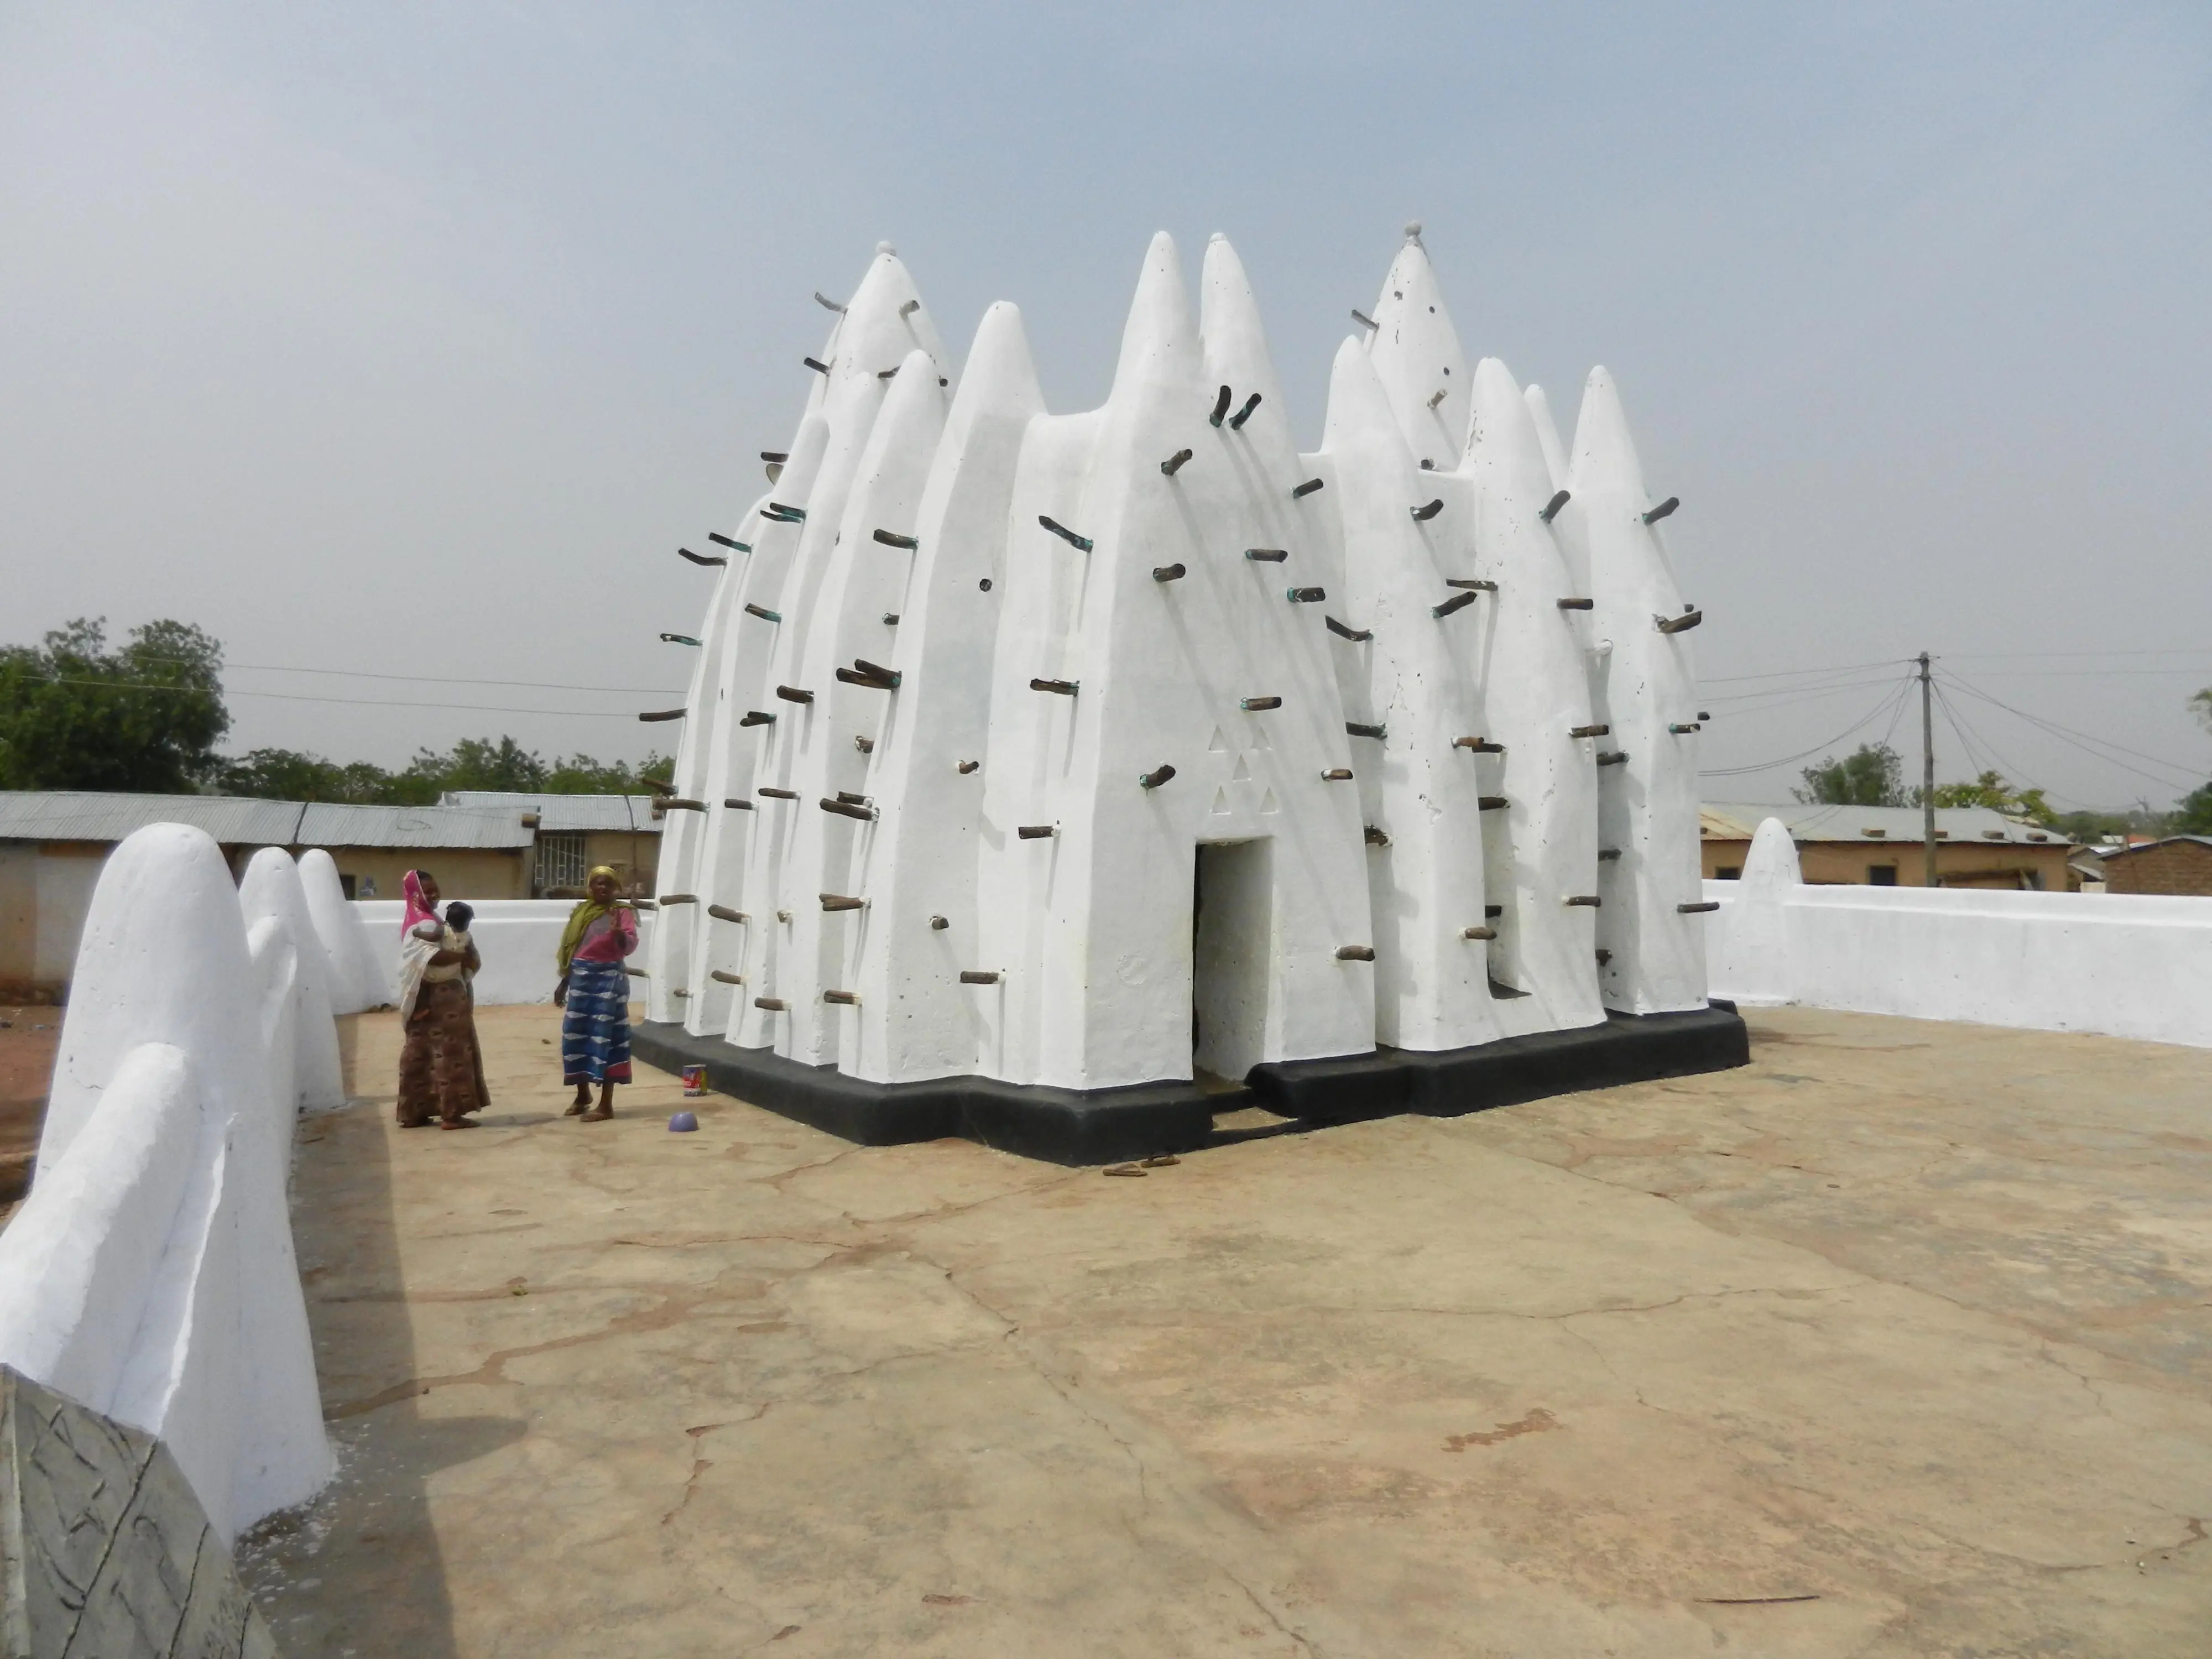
x=695 y=1082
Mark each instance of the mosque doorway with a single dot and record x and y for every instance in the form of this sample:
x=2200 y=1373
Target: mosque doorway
x=1232 y=902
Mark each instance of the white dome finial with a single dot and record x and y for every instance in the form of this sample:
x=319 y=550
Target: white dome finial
x=885 y=247
x=1413 y=230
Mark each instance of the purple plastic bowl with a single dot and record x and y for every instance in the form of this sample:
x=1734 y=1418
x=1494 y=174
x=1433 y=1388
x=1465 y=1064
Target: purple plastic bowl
x=683 y=1123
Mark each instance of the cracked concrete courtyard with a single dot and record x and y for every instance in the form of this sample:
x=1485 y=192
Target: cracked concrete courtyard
x=1898 y=1342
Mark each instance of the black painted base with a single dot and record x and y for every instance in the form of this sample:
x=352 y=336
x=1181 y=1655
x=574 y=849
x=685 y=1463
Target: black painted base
x=1101 y=1126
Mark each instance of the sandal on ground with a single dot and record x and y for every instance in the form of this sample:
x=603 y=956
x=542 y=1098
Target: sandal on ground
x=459 y=1123
x=597 y=1115
x=577 y=1109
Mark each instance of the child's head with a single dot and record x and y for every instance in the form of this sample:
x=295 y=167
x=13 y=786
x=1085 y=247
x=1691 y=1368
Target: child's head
x=458 y=915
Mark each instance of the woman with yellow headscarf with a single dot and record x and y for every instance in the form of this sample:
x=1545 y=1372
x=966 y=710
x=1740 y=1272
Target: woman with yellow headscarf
x=594 y=994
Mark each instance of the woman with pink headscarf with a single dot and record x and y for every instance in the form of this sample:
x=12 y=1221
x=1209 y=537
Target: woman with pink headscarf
x=441 y=1067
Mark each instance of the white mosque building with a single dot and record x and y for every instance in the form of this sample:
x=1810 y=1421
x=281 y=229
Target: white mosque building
x=1046 y=777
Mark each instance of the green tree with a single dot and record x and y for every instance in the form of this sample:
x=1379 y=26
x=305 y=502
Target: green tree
x=145 y=716
x=2192 y=813
x=1990 y=790
x=1870 y=775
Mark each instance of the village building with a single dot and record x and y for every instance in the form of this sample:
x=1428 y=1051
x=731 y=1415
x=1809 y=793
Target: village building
x=1883 y=846
x=481 y=845
x=2177 y=864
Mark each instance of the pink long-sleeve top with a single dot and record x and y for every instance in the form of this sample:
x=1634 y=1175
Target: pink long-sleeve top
x=610 y=938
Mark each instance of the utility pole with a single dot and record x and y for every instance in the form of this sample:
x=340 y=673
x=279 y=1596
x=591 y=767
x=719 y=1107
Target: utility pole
x=1927 y=771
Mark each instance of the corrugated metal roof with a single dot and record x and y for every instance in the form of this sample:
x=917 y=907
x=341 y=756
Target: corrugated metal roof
x=2145 y=846
x=413 y=826
x=565 y=814
x=48 y=814
x=1735 y=821
x=69 y=815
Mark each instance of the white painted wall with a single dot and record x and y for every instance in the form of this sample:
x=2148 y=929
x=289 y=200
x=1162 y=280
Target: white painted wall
x=150 y=1272
x=2132 y=965
x=516 y=937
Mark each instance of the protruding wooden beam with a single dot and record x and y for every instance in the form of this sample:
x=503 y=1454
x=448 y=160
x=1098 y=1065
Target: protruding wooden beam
x=737 y=803
x=774 y=457
x=1305 y=595
x=1576 y=605
x=1588 y=901
x=1355 y=953
x=1357 y=635
x=1663 y=510
x=1457 y=602
x=721 y=978
x=827 y=303
x=1267 y=555
x=1062 y=688
x=667 y=899
x=1481 y=746
x=1156 y=776
x=1169 y=573
x=1337 y=775
x=867 y=745
x=874 y=675
x=774 y=793
x=677 y=639
x=848 y=808
x=1681 y=624
x=1365 y=320
x=1081 y=543
x=1259 y=705
x=1607 y=854
x=816 y=364
x=1375 y=836
x=842 y=902
x=663 y=714
x=779 y=514
x=1307 y=488
x=1236 y=421
x=1478 y=933
x=677 y=803
x=723 y=913
x=1493 y=911
x=1036 y=831
x=986 y=975
x=757 y=717
x=1612 y=758
x=1680 y=730
x=1590 y=731
x=964 y=767
x=892 y=538
x=1472 y=584
x=1357 y=730
x=700 y=558
x=1491 y=803
x=1174 y=464
x=1220 y=406
x=763 y=612
x=1427 y=511
x=1708 y=906
x=793 y=694
x=938 y=924
x=720 y=540
x=1552 y=508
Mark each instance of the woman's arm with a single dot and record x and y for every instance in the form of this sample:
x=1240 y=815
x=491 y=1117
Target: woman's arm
x=625 y=921
x=475 y=962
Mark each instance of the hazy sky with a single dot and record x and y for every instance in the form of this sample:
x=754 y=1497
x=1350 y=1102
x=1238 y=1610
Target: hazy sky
x=411 y=339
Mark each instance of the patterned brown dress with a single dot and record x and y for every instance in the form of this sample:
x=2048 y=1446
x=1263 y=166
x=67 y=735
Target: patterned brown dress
x=442 y=1068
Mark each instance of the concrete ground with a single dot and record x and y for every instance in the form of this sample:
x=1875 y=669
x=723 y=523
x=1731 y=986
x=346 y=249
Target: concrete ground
x=1897 y=1342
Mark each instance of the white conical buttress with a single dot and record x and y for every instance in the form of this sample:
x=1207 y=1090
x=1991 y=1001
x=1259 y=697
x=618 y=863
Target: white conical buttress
x=1647 y=802
x=1094 y=921
x=916 y=1018
x=1418 y=783
x=1419 y=358
x=1548 y=433
x=882 y=324
x=1536 y=696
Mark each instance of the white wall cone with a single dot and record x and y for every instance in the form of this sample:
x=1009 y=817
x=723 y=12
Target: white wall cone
x=1548 y=433
x=271 y=890
x=1419 y=358
x=1416 y=680
x=1535 y=694
x=915 y=1018
x=354 y=981
x=882 y=324
x=1648 y=804
x=164 y=960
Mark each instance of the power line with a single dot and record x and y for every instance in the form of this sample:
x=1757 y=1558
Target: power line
x=361 y=703
x=2087 y=741
x=1896 y=694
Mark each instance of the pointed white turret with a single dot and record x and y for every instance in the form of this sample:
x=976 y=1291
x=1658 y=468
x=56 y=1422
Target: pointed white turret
x=1543 y=873
x=1418 y=358
x=1648 y=799
x=916 y=1018
x=1412 y=687
x=1548 y=433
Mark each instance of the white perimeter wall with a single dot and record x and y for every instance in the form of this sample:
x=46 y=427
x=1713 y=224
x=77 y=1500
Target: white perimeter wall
x=2124 y=964
x=516 y=937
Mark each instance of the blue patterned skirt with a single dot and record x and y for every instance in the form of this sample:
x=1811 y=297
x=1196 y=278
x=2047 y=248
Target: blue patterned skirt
x=595 y=1027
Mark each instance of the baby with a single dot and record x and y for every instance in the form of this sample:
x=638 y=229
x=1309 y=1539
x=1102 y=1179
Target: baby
x=453 y=936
